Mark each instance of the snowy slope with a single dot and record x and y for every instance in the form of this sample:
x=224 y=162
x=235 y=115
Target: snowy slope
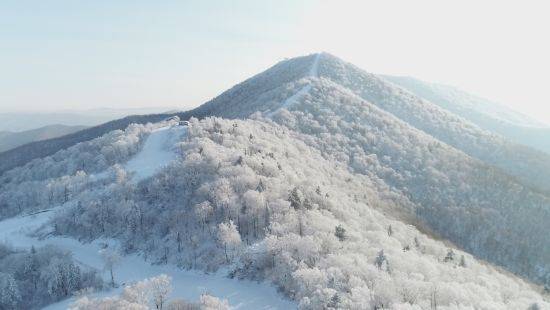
x=155 y=153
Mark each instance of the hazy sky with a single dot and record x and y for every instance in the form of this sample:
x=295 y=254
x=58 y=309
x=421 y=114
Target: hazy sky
x=66 y=54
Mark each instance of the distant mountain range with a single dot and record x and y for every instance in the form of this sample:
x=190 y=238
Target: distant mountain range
x=335 y=184
x=482 y=112
x=10 y=140
x=22 y=121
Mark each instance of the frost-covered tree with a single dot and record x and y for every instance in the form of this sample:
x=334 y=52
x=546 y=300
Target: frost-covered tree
x=9 y=292
x=146 y=294
x=209 y=302
x=111 y=259
x=229 y=237
x=32 y=279
x=160 y=288
x=63 y=278
x=295 y=198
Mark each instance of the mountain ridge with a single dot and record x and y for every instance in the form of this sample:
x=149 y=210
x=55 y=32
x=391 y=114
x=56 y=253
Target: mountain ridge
x=512 y=125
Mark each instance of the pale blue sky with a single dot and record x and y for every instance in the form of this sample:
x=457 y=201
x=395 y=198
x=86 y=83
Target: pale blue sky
x=67 y=54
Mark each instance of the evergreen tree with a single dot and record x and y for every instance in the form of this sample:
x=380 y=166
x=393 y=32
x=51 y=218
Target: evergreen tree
x=340 y=233
x=534 y=306
x=261 y=187
x=295 y=198
x=9 y=292
x=334 y=301
x=318 y=190
x=380 y=260
x=450 y=256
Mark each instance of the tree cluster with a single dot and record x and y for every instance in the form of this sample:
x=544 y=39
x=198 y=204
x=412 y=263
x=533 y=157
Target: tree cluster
x=36 y=277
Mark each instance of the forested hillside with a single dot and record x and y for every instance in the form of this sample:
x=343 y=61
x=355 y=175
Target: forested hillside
x=254 y=196
x=465 y=200
x=417 y=148
x=525 y=163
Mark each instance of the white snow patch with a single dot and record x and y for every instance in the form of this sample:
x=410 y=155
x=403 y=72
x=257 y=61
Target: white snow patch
x=156 y=152
x=241 y=294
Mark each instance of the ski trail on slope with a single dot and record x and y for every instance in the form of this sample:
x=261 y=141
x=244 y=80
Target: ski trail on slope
x=155 y=153
x=186 y=284
x=314 y=71
x=292 y=100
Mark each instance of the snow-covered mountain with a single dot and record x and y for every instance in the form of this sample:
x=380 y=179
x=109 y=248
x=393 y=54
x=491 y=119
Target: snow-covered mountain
x=271 y=88
x=332 y=184
x=484 y=113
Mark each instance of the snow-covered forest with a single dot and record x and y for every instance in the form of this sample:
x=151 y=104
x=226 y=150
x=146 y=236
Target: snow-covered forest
x=253 y=196
x=338 y=189
x=35 y=277
x=448 y=166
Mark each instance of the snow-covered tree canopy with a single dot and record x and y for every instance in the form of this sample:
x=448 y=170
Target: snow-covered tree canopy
x=259 y=197
x=32 y=278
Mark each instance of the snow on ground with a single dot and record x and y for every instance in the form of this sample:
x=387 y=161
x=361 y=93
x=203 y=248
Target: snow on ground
x=187 y=284
x=156 y=152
